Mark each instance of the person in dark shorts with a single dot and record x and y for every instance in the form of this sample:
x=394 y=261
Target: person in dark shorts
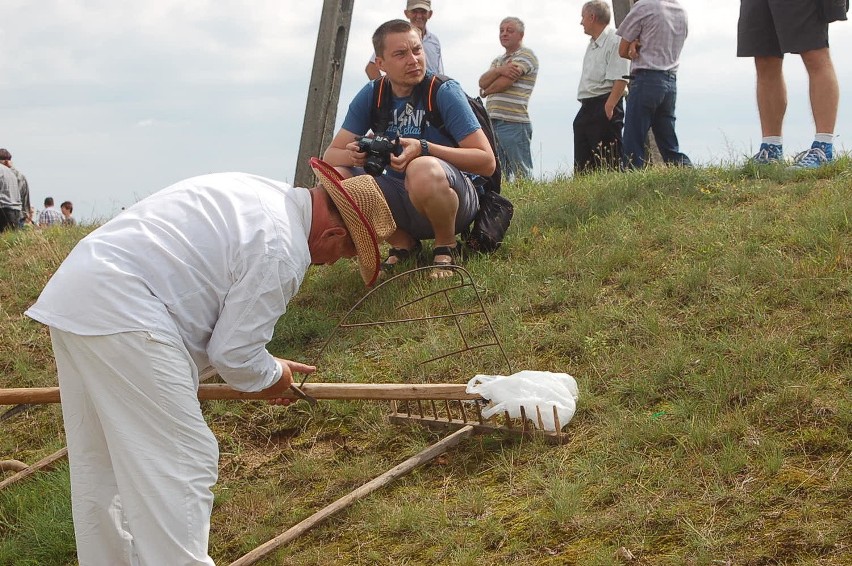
x=428 y=183
x=767 y=30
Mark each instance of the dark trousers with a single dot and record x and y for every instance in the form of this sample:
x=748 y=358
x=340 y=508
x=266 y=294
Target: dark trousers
x=9 y=218
x=597 y=139
x=651 y=106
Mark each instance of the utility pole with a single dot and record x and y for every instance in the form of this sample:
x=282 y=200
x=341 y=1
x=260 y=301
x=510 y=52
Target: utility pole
x=620 y=9
x=324 y=91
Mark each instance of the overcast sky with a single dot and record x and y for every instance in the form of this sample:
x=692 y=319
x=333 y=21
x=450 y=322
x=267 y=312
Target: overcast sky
x=103 y=102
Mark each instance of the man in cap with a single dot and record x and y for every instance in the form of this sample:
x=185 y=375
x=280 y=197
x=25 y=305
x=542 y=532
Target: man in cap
x=23 y=186
x=418 y=13
x=193 y=277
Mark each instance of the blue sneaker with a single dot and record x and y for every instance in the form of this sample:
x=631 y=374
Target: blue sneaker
x=818 y=155
x=768 y=153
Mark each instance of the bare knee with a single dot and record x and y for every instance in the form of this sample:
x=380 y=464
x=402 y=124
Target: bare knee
x=425 y=178
x=768 y=68
x=817 y=61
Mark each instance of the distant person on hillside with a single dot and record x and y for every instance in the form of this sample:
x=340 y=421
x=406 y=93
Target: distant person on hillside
x=429 y=185
x=23 y=186
x=598 y=125
x=191 y=278
x=418 y=13
x=768 y=29
x=67 y=208
x=656 y=30
x=508 y=84
x=49 y=216
x=10 y=197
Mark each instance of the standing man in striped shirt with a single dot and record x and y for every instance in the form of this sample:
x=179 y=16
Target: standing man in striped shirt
x=508 y=85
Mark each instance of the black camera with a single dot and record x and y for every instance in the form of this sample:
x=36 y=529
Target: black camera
x=378 y=150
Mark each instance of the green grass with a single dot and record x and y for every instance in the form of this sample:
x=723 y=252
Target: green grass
x=707 y=317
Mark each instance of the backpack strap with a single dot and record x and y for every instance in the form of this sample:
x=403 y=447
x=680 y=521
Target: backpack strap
x=380 y=109
x=433 y=116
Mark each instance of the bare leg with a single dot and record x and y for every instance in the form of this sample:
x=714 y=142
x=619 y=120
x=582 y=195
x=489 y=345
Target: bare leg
x=432 y=196
x=771 y=94
x=824 y=90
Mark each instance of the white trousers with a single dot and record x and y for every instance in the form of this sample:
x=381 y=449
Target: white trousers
x=142 y=458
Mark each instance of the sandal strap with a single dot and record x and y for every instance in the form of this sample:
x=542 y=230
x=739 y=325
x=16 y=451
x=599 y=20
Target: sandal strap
x=453 y=252
x=401 y=254
x=445 y=250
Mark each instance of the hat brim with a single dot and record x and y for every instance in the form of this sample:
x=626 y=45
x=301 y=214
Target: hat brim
x=362 y=232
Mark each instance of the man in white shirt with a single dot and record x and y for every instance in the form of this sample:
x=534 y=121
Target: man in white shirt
x=191 y=278
x=598 y=124
x=418 y=13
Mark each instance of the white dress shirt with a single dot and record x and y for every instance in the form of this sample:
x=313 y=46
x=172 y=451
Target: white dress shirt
x=211 y=262
x=602 y=66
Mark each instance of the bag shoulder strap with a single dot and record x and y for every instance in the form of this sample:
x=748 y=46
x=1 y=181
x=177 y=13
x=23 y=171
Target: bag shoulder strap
x=380 y=108
x=433 y=116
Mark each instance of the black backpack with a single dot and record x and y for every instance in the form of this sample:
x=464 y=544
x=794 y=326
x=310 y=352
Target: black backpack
x=495 y=210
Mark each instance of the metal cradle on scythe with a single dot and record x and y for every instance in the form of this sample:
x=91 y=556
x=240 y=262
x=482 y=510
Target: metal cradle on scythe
x=451 y=410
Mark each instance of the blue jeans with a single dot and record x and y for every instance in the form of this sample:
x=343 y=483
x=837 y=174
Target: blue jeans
x=513 y=148
x=651 y=105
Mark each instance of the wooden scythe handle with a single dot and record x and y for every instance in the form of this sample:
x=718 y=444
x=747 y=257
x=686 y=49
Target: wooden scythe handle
x=211 y=391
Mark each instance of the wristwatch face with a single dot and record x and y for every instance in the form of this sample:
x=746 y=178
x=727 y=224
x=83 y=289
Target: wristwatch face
x=424 y=147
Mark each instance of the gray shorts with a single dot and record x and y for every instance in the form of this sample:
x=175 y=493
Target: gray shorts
x=771 y=28
x=409 y=219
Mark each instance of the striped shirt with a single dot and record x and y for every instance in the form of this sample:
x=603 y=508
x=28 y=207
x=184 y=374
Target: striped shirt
x=511 y=104
x=50 y=217
x=661 y=28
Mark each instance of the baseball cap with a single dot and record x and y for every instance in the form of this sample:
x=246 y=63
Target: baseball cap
x=414 y=4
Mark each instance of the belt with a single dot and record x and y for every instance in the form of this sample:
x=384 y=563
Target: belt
x=594 y=99
x=635 y=72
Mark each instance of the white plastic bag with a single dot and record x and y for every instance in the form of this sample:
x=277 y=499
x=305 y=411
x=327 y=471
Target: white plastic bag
x=529 y=389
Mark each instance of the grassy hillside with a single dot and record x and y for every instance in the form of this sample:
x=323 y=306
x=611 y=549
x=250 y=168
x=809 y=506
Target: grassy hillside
x=706 y=315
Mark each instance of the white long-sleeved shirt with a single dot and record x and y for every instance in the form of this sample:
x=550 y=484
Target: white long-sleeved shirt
x=210 y=262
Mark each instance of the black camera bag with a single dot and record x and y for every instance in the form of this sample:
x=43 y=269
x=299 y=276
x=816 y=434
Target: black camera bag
x=491 y=222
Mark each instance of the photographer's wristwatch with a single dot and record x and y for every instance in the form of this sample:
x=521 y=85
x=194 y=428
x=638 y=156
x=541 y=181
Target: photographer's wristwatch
x=424 y=147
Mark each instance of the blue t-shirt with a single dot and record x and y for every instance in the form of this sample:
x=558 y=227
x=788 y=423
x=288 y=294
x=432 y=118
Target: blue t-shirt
x=407 y=119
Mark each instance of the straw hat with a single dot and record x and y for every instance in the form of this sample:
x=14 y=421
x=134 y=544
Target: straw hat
x=364 y=211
